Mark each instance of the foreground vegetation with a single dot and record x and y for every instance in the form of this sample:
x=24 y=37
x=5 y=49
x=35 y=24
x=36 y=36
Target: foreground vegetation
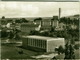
x=10 y=51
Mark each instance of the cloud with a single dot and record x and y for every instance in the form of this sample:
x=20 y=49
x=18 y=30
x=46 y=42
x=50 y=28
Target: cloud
x=70 y=12
x=30 y=9
x=36 y=9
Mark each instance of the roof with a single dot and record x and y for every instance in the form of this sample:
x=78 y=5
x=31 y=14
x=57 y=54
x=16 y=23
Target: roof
x=46 y=26
x=29 y=25
x=43 y=37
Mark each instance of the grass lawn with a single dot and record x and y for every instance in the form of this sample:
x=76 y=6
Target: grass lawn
x=11 y=52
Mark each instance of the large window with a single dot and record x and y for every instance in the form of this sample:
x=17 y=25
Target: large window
x=44 y=44
x=41 y=43
x=35 y=42
x=38 y=43
x=31 y=42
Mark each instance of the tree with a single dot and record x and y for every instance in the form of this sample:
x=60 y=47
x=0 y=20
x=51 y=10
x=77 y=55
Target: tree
x=54 y=58
x=17 y=37
x=60 y=49
x=11 y=35
x=21 y=52
x=72 y=41
x=4 y=34
x=45 y=34
x=77 y=46
x=18 y=21
x=16 y=34
x=24 y=20
x=38 y=19
x=34 y=32
x=69 y=51
x=52 y=29
x=66 y=51
x=3 y=17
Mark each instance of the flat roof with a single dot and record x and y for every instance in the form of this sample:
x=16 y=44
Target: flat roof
x=42 y=37
x=29 y=25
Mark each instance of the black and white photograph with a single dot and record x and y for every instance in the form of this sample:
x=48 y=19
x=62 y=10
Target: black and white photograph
x=39 y=30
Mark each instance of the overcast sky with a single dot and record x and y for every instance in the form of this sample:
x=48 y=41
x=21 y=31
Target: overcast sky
x=38 y=9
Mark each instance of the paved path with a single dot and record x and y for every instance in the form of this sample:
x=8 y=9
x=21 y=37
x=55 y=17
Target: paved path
x=45 y=56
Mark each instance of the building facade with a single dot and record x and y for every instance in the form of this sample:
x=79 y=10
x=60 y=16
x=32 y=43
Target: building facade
x=47 y=44
x=27 y=27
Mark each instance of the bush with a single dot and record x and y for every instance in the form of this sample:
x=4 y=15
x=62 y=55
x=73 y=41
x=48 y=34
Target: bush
x=60 y=50
x=77 y=46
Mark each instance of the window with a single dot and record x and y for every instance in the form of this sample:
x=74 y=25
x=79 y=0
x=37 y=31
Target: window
x=41 y=44
x=38 y=43
x=35 y=42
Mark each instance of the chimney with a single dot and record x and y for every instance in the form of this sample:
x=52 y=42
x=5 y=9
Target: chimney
x=59 y=13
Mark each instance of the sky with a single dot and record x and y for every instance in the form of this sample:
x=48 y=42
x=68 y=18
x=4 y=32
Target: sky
x=38 y=9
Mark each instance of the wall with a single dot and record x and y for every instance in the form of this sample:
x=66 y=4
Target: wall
x=51 y=45
x=34 y=43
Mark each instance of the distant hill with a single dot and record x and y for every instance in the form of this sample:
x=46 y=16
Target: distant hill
x=44 y=18
x=29 y=18
x=74 y=16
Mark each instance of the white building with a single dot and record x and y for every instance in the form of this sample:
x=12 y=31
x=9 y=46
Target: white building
x=47 y=44
x=8 y=25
